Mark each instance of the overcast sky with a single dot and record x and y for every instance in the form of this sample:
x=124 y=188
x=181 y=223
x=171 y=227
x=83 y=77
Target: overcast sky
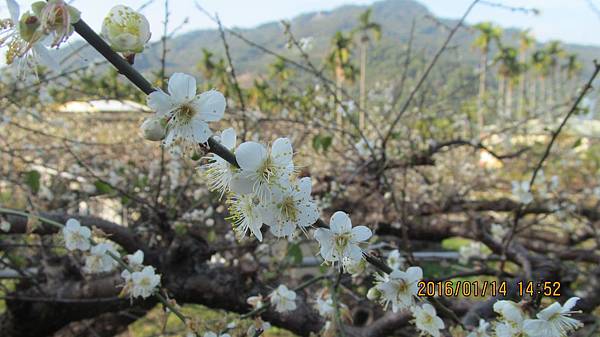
x=568 y=20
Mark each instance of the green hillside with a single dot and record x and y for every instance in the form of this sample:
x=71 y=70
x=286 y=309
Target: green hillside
x=385 y=57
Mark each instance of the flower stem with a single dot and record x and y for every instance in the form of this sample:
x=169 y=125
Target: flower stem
x=117 y=258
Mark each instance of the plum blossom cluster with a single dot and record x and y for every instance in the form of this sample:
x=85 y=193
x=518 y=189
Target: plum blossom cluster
x=400 y=288
x=140 y=281
x=26 y=35
x=553 y=321
x=182 y=116
x=283 y=299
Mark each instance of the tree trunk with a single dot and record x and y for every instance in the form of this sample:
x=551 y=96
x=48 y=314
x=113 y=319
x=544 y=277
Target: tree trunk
x=522 y=88
x=543 y=93
x=509 y=98
x=338 y=107
x=363 y=83
x=501 y=95
x=481 y=96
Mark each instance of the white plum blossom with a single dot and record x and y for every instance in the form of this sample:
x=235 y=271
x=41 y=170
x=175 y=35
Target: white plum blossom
x=23 y=37
x=395 y=259
x=290 y=208
x=212 y=334
x=481 y=330
x=76 y=237
x=255 y=301
x=247 y=213
x=283 y=299
x=154 y=128
x=187 y=114
x=218 y=171
x=135 y=260
x=261 y=169
x=99 y=260
x=4 y=225
x=363 y=147
x=426 y=319
x=341 y=240
x=400 y=288
x=144 y=282
x=353 y=267
x=507 y=329
x=554 y=321
x=498 y=232
x=258 y=325
x=512 y=316
x=57 y=19
x=470 y=251
x=520 y=191
x=126 y=30
x=324 y=304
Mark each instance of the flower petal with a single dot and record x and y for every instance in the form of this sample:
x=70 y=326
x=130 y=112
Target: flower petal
x=361 y=233
x=13 y=9
x=182 y=87
x=250 y=155
x=45 y=58
x=340 y=222
x=308 y=214
x=229 y=138
x=569 y=304
x=211 y=105
x=72 y=224
x=414 y=274
x=160 y=102
x=353 y=252
x=256 y=231
x=201 y=131
x=282 y=151
x=305 y=187
x=241 y=185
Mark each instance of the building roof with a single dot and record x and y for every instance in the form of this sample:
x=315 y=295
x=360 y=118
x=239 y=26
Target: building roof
x=102 y=106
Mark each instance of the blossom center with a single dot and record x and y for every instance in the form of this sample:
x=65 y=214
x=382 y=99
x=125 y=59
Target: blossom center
x=267 y=169
x=185 y=113
x=145 y=282
x=341 y=241
x=402 y=287
x=288 y=208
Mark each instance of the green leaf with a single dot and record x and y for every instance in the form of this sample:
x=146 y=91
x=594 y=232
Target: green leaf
x=316 y=142
x=321 y=142
x=102 y=187
x=326 y=142
x=577 y=143
x=295 y=253
x=32 y=179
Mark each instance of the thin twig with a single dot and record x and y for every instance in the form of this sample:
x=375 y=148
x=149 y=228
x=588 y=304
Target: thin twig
x=236 y=84
x=555 y=134
x=425 y=75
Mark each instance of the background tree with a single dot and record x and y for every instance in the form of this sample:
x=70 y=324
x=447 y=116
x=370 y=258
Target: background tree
x=339 y=60
x=509 y=71
x=526 y=41
x=488 y=33
x=366 y=26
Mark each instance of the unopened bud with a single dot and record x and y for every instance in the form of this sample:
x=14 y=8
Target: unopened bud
x=126 y=30
x=374 y=294
x=28 y=27
x=153 y=129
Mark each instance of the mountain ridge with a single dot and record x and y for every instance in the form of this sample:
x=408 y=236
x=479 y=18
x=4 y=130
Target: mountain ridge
x=395 y=16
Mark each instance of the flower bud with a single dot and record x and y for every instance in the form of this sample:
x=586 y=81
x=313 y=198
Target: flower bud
x=57 y=19
x=126 y=30
x=153 y=129
x=374 y=294
x=29 y=27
